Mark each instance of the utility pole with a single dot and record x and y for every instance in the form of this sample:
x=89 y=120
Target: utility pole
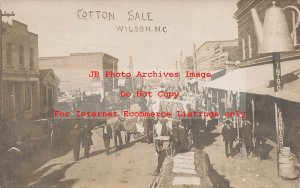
x=113 y=64
x=177 y=78
x=194 y=59
x=195 y=67
x=1 y=63
x=181 y=64
x=131 y=72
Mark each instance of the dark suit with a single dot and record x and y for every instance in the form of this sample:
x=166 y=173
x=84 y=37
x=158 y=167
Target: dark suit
x=86 y=141
x=247 y=138
x=107 y=135
x=196 y=123
x=260 y=134
x=180 y=140
x=117 y=127
x=186 y=123
x=75 y=140
x=149 y=123
x=228 y=137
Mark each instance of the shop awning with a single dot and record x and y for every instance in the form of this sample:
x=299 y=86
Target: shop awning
x=217 y=74
x=256 y=79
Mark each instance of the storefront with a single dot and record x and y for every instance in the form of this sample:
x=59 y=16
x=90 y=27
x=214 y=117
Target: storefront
x=49 y=91
x=254 y=88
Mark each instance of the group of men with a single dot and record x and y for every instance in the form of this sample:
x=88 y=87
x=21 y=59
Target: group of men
x=83 y=136
x=80 y=136
x=113 y=131
x=229 y=134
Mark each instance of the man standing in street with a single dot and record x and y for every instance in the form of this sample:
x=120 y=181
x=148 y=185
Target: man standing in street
x=259 y=134
x=179 y=139
x=75 y=140
x=86 y=140
x=196 y=124
x=228 y=137
x=247 y=137
x=149 y=123
x=107 y=135
x=117 y=127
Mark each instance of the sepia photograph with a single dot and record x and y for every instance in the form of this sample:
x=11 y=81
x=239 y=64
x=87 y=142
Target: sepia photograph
x=149 y=93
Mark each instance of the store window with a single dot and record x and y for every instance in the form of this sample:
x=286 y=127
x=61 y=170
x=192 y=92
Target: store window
x=9 y=53
x=21 y=56
x=243 y=48
x=9 y=96
x=31 y=58
x=44 y=95
x=28 y=97
x=291 y=14
x=249 y=46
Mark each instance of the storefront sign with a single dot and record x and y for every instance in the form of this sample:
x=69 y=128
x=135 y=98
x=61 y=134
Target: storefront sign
x=277 y=72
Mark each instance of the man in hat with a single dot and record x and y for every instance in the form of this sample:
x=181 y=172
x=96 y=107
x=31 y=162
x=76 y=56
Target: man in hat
x=117 y=128
x=149 y=123
x=75 y=139
x=196 y=124
x=260 y=134
x=179 y=137
x=228 y=137
x=107 y=135
x=87 y=141
x=247 y=137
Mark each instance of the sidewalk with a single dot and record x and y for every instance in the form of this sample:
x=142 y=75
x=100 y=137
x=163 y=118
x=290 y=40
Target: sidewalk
x=246 y=172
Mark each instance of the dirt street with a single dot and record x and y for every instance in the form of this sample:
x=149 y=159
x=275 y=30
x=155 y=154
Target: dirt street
x=245 y=172
x=130 y=167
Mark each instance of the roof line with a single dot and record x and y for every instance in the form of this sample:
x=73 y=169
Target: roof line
x=78 y=54
x=216 y=41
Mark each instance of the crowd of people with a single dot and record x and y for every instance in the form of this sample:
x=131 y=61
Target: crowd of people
x=183 y=133
x=82 y=136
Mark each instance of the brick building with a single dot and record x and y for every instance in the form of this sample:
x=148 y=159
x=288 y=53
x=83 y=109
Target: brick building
x=187 y=65
x=214 y=55
x=248 y=46
x=21 y=90
x=73 y=71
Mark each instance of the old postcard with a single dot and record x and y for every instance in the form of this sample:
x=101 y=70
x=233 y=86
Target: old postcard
x=157 y=94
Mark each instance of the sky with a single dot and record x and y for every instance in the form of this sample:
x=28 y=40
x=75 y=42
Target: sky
x=61 y=31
